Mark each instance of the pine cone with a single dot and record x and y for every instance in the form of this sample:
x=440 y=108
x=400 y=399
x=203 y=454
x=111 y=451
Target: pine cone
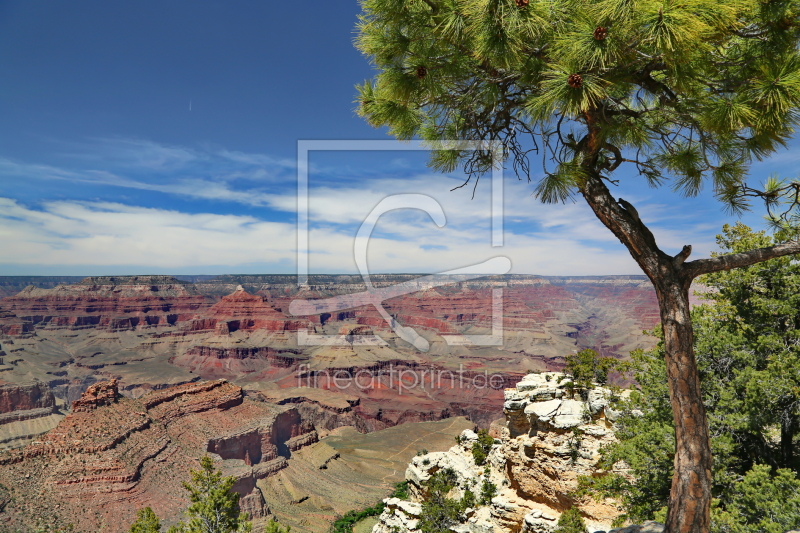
x=493 y=73
x=600 y=33
x=575 y=81
x=522 y=3
x=421 y=72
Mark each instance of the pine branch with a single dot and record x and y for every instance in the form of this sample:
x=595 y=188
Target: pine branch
x=727 y=262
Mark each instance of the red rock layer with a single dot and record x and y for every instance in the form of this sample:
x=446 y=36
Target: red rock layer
x=16 y=397
x=244 y=311
x=99 y=465
x=97 y=395
x=137 y=302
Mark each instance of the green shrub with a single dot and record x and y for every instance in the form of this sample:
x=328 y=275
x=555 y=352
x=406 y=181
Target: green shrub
x=344 y=524
x=574 y=444
x=570 y=521
x=481 y=447
x=587 y=367
x=214 y=507
x=763 y=501
x=488 y=490
x=275 y=527
x=146 y=522
x=468 y=499
x=400 y=490
x=439 y=512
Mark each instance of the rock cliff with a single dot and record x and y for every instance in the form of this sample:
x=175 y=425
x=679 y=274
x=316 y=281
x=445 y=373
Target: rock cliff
x=27 y=410
x=107 y=303
x=113 y=454
x=550 y=435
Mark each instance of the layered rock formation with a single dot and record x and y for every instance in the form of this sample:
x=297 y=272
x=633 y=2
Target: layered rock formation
x=113 y=455
x=550 y=436
x=26 y=411
x=151 y=332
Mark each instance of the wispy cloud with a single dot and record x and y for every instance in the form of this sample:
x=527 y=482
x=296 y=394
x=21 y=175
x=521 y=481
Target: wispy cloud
x=112 y=234
x=544 y=239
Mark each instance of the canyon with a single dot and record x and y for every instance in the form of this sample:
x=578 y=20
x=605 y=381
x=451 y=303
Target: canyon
x=116 y=386
x=151 y=332
x=112 y=455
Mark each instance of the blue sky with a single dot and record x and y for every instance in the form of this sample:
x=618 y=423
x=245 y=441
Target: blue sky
x=161 y=137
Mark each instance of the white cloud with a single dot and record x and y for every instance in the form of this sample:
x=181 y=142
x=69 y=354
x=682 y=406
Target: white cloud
x=71 y=233
x=108 y=234
x=544 y=239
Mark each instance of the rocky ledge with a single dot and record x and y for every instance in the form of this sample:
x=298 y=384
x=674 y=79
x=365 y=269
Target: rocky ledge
x=551 y=434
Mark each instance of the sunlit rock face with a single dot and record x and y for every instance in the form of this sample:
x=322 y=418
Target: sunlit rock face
x=113 y=455
x=550 y=435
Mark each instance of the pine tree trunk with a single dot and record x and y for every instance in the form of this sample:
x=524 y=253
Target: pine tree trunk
x=690 y=495
x=788 y=429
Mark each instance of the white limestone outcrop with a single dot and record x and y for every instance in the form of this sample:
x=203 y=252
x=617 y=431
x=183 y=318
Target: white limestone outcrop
x=551 y=435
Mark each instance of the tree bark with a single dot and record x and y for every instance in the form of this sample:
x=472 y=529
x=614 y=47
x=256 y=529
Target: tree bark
x=690 y=495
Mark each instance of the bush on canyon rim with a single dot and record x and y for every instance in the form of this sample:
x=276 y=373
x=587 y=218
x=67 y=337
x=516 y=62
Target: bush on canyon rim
x=146 y=522
x=570 y=521
x=482 y=447
x=440 y=513
x=587 y=367
x=748 y=352
x=345 y=524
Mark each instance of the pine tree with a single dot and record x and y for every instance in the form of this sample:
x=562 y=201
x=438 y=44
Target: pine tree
x=749 y=350
x=748 y=354
x=214 y=507
x=691 y=91
x=146 y=522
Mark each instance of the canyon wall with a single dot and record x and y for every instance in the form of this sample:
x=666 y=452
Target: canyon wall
x=154 y=332
x=113 y=454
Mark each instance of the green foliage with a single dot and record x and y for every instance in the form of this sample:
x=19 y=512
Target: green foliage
x=748 y=353
x=468 y=499
x=587 y=368
x=214 y=508
x=482 y=447
x=570 y=521
x=146 y=522
x=691 y=91
x=439 y=512
x=344 y=524
x=400 y=490
x=574 y=444
x=488 y=490
x=762 y=501
x=275 y=527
